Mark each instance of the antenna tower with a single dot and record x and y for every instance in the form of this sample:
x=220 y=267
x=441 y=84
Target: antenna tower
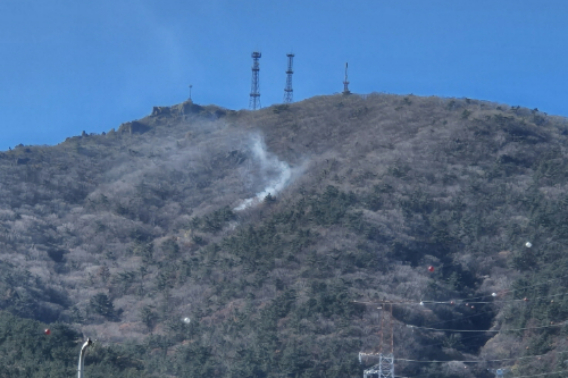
x=288 y=91
x=254 y=102
x=190 y=86
x=346 y=82
x=385 y=367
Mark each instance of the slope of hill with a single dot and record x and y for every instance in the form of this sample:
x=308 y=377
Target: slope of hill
x=261 y=229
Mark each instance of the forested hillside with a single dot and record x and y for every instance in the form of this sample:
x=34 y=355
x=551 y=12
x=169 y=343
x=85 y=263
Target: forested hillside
x=201 y=241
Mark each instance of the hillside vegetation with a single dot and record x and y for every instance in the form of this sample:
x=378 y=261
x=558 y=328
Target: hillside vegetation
x=263 y=229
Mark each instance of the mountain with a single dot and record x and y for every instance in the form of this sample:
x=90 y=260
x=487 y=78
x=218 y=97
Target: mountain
x=207 y=241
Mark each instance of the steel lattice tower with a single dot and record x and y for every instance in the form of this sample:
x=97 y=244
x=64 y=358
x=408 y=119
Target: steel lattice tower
x=346 y=82
x=288 y=91
x=254 y=102
x=385 y=367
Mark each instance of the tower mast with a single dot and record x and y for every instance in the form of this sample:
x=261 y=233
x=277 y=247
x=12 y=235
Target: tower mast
x=288 y=91
x=346 y=82
x=254 y=102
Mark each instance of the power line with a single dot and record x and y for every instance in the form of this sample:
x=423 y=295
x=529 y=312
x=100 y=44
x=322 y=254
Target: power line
x=462 y=331
x=481 y=330
x=516 y=376
x=401 y=325
x=467 y=317
x=460 y=340
x=460 y=301
x=507 y=291
x=478 y=313
x=480 y=361
x=471 y=299
x=540 y=375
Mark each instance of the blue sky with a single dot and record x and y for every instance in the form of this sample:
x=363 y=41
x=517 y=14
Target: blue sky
x=69 y=66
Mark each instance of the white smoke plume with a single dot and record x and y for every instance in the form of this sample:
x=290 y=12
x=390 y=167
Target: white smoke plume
x=274 y=174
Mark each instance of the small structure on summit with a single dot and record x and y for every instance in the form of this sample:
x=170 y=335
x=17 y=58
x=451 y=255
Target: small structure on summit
x=346 y=81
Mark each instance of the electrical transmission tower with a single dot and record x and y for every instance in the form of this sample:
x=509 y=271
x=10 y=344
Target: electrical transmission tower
x=385 y=367
x=288 y=91
x=346 y=82
x=254 y=102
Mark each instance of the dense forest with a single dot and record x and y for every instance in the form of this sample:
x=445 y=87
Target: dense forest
x=201 y=241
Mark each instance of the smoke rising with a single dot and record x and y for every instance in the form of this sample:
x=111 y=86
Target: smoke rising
x=274 y=174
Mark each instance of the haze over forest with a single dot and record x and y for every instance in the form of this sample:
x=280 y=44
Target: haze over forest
x=202 y=241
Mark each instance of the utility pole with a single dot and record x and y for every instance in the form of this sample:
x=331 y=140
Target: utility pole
x=254 y=102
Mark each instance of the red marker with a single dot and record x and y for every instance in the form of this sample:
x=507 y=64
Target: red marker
x=430 y=268
x=47 y=331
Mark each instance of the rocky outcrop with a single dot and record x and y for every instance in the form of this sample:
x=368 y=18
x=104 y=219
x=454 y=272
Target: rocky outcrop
x=134 y=127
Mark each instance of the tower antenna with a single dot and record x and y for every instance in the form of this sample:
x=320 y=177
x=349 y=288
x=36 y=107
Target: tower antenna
x=190 y=86
x=346 y=81
x=288 y=91
x=254 y=102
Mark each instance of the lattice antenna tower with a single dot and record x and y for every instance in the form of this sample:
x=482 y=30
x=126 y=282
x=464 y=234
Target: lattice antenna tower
x=254 y=102
x=288 y=91
x=346 y=81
